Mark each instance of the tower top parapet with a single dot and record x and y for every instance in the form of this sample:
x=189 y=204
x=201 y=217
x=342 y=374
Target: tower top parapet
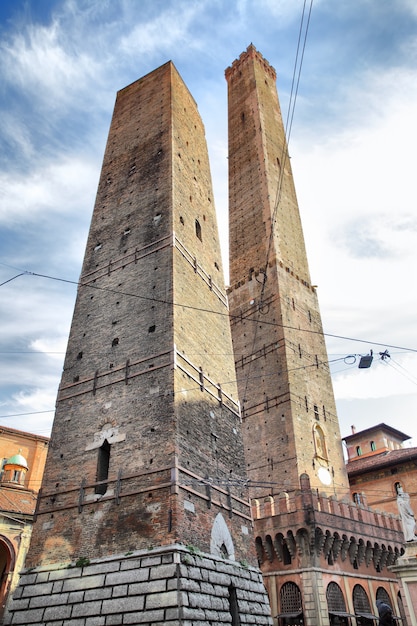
x=250 y=53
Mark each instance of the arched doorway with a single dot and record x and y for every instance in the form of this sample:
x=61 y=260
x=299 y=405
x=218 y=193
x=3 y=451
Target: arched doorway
x=7 y=561
x=401 y=609
x=336 y=606
x=382 y=594
x=362 y=608
x=291 y=606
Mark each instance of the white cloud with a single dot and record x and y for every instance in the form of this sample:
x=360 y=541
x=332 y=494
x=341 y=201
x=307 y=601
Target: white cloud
x=31 y=411
x=53 y=347
x=356 y=187
x=352 y=139
x=16 y=135
x=285 y=10
x=391 y=377
x=56 y=187
x=40 y=399
x=37 y=373
x=36 y=61
x=162 y=31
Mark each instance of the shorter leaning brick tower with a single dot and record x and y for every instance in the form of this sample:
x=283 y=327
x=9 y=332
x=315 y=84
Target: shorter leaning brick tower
x=144 y=515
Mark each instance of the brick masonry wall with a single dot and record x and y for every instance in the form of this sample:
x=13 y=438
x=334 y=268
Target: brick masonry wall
x=172 y=586
x=377 y=487
x=289 y=416
x=149 y=367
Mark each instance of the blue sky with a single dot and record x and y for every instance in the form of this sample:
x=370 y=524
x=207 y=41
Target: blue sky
x=352 y=144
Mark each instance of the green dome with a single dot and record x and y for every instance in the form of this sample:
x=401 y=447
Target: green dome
x=17 y=459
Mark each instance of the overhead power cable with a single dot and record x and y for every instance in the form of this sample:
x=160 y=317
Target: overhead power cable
x=204 y=310
x=224 y=385
x=284 y=157
x=13 y=278
x=338 y=489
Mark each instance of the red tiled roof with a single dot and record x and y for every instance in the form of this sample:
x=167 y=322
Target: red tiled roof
x=378 y=427
x=22 y=433
x=17 y=501
x=363 y=465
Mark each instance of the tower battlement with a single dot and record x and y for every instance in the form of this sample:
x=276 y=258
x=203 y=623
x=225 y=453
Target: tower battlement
x=291 y=502
x=250 y=53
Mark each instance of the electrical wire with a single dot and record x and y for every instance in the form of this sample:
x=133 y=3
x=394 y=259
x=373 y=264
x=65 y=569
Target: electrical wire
x=30 y=413
x=336 y=488
x=196 y=388
x=401 y=370
x=301 y=400
x=284 y=156
x=13 y=278
x=205 y=310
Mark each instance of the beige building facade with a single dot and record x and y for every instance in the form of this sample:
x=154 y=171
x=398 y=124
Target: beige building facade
x=23 y=457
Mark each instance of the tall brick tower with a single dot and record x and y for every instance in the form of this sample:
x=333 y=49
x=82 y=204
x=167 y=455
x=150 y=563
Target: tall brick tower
x=323 y=558
x=144 y=515
x=289 y=415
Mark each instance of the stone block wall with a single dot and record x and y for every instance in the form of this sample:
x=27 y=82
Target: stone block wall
x=175 y=585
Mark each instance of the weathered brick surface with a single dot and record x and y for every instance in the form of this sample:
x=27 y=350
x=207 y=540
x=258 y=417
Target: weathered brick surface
x=373 y=474
x=178 y=591
x=148 y=397
x=149 y=347
x=285 y=384
x=290 y=427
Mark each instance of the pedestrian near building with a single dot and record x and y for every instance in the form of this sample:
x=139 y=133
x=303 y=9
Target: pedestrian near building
x=385 y=614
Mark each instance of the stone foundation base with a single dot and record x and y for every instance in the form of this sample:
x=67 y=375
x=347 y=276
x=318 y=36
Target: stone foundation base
x=171 y=586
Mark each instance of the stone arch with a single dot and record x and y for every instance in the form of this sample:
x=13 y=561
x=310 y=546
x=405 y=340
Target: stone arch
x=353 y=551
x=319 y=539
x=290 y=601
x=382 y=594
x=328 y=544
x=369 y=552
x=391 y=556
x=221 y=543
x=337 y=546
x=259 y=550
x=345 y=547
x=384 y=557
x=281 y=549
x=7 y=565
x=336 y=604
x=269 y=548
x=291 y=543
x=320 y=442
x=377 y=556
x=401 y=607
x=361 y=605
x=360 y=556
